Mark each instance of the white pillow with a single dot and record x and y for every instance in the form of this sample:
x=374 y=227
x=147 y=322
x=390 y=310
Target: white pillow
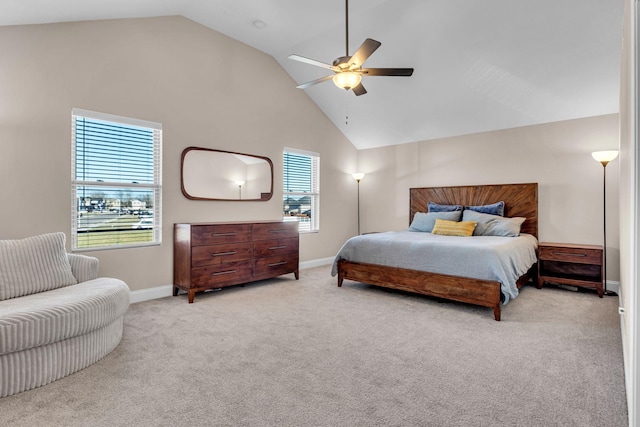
x=32 y=265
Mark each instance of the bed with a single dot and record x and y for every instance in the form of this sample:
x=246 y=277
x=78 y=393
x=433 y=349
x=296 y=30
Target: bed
x=521 y=200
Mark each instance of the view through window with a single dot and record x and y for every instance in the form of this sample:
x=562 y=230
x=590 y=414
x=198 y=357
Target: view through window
x=301 y=185
x=116 y=187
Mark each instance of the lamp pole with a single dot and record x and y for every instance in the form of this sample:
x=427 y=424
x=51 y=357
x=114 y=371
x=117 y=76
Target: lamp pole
x=604 y=157
x=358 y=177
x=358 y=207
x=604 y=225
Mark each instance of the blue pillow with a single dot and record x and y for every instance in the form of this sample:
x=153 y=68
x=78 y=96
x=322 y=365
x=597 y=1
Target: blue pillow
x=434 y=207
x=493 y=225
x=425 y=221
x=494 y=209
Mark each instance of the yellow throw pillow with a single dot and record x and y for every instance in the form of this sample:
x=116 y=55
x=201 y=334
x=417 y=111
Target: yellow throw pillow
x=453 y=228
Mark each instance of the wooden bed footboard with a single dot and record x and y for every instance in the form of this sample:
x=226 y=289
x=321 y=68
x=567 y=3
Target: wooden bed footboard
x=474 y=291
x=485 y=293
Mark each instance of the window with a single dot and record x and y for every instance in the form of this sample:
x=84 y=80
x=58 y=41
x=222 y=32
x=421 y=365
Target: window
x=116 y=181
x=301 y=185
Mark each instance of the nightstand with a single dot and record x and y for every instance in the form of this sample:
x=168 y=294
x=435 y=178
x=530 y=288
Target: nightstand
x=569 y=264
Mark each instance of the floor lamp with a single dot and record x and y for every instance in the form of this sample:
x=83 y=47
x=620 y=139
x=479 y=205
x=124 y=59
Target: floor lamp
x=358 y=176
x=604 y=157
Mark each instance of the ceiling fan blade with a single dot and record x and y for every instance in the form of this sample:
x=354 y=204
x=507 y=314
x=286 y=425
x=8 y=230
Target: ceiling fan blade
x=313 y=82
x=312 y=62
x=403 y=72
x=364 y=51
x=359 y=90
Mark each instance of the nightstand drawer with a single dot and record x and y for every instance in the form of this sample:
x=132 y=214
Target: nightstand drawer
x=571 y=254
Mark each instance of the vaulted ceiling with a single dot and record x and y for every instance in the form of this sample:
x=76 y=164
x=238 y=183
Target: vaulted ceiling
x=479 y=65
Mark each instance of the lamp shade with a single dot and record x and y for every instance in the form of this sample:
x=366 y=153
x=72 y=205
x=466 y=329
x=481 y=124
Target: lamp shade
x=240 y=183
x=604 y=156
x=357 y=176
x=347 y=79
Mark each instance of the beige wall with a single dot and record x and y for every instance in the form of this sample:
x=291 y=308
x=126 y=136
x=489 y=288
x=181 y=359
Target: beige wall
x=205 y=88
x=555 y=155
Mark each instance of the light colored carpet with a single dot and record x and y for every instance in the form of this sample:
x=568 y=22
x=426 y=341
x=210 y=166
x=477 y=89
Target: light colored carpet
x=307 y=353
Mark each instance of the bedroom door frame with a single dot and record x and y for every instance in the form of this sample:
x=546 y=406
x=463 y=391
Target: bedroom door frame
x=630 y=298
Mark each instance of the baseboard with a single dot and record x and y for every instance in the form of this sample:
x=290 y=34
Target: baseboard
x=316 y=263
x=151 y=293
x=613 y=286
x=167 y=290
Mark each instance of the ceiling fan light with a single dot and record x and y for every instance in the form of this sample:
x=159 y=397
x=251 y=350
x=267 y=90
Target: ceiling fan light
x=347 y=79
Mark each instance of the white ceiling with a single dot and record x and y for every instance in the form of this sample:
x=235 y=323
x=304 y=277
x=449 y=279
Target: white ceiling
x=479 y=65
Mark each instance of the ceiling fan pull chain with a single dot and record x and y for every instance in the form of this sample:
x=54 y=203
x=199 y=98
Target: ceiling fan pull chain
x=346 y=107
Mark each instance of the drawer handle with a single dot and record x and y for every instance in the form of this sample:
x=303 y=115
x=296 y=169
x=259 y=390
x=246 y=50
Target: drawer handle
x=224 y=253
x=275 y=264
x=224 y=234
x=569 y=254
x=223 y=272
x=277 y=247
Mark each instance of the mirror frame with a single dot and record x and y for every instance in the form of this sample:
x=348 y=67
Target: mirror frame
x=264 y=196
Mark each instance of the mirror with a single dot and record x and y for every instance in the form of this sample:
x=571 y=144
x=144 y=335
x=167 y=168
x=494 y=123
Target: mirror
x=209 y=174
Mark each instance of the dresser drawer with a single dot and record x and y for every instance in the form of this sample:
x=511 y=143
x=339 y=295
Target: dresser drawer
x=202 y=235
x=273 y=266
x=221 y=275
x=571 y=254
x=275 y=230
x=218 y=254
x=269 y=248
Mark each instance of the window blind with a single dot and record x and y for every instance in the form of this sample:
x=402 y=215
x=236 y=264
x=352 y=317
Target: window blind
x=116 y=170
x=301 y=188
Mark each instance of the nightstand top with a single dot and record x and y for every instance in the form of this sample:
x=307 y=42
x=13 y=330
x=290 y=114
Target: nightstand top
x=569 y=245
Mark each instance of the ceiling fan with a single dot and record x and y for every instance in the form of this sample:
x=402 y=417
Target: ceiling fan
x=347 y=69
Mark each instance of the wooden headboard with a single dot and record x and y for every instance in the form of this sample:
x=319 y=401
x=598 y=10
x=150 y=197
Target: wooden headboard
x=519 y=200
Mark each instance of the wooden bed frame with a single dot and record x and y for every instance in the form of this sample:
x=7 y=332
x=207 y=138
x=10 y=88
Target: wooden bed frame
x=520 y=200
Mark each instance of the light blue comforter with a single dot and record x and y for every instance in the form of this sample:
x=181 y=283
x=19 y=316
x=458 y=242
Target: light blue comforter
x=503 y=259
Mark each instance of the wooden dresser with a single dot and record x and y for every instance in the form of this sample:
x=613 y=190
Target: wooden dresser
x=216 y=255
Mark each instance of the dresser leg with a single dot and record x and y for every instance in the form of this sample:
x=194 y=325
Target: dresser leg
x=192 y=295
x=175 y=291
x=297 y=275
